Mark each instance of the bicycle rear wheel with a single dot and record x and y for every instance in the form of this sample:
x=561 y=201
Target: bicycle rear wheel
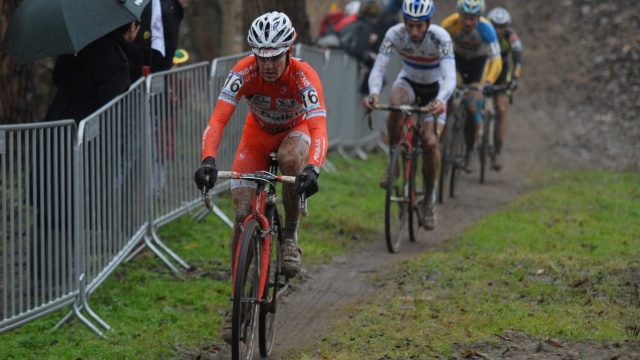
x=446 y=160
x=267 y=323
x=245 y=293
x=458 y=151
x=396 y=203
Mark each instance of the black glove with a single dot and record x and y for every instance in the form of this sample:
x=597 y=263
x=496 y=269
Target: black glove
x=487 y=89
x=307 y=180
x=207 y=175
x=513 y=85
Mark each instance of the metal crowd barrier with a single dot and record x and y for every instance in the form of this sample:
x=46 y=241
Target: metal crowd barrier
x=74 y=209
x=112 y=188
x=36 y=195
x=178 y=108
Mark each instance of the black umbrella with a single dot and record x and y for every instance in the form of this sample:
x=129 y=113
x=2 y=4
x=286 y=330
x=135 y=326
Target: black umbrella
x=41 y=28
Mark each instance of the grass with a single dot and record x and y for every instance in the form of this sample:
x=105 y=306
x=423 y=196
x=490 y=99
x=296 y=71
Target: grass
x=562 y=261
x=155 y=315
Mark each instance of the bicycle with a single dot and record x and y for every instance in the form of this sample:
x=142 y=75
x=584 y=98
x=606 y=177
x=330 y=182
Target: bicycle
x=257 y=281
x=453 y=145
x=403 y=193
x=487 y=146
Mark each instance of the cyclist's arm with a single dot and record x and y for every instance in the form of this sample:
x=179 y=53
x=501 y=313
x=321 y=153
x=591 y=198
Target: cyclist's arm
x=230 y=95
x=516 y=49
x=380 y=65
x=494 y=59
x=447 y=67
x=316 y=116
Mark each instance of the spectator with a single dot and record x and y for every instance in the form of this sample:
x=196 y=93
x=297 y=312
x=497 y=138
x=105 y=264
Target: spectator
x=157 y=50
x=97 y=74
x=328 y=36
x=330 y=19
x=351 y=11
x=359 y=38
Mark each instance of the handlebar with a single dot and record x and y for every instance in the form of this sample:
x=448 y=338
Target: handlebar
x=259 y=176
x=408 y=109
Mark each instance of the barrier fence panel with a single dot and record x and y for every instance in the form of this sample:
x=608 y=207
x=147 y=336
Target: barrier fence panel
x=179 y=110
x=115 y=183
x=36 y=224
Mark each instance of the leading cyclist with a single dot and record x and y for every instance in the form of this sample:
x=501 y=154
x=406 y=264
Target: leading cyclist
x=287 y=114
x=478 y=60
x=428 y=76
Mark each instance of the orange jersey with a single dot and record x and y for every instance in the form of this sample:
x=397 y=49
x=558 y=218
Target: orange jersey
x=294 y=98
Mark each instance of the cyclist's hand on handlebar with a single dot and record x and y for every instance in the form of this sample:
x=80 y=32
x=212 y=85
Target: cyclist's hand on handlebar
x=370 y=102
x=307 y=180
x=207 y=174
x=437 y=107
x=513 y=85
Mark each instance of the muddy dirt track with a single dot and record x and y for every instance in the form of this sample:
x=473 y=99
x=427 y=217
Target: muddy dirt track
x=556 y=121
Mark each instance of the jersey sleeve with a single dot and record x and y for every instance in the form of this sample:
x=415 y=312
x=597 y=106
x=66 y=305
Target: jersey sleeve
x=516 y=49
x=494 y=59
x=230 y=94
x=315 y=113
x=447 y=66
x=451 y=24
x=376 y=77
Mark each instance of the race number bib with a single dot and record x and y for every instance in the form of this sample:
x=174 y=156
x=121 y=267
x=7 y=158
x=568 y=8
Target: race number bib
x=233 y=84
x=310 y=98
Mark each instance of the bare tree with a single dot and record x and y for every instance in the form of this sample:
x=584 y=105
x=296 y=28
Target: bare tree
x=295 y=9
x=25 y=90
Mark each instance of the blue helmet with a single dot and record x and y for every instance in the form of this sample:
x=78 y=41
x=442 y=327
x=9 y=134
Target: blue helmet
x=418 y=9
x=473 y=7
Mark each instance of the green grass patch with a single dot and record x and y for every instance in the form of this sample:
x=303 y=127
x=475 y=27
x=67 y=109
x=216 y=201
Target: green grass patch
x=561 y=261
x=155 y=315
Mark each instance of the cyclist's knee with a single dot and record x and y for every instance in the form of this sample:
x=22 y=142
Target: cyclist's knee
x=430 y=142
x=398 y=97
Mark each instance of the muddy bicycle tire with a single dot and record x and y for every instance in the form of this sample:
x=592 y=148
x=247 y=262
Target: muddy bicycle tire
x=396 y=203
x=416 y=193
x=446 y=161
x=484 y=147
x=245 y=293
x=267 y=317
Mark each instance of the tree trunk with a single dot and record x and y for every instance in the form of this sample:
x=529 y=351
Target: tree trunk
x=295 y=9
x=25 y=90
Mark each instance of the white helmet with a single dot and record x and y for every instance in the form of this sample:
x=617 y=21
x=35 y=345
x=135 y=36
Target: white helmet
x=271 y=34
x=418 y=9
x=499 y=16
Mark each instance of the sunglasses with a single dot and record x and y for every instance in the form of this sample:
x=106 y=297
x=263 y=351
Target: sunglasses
x=270 y=58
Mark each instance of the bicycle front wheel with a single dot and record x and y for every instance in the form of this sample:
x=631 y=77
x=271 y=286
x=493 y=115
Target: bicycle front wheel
x=267 y=323
x=415 y=194
x=446 y=160
x=484 y=146
x=397 y=202
x=458 y=151
x=245 y=293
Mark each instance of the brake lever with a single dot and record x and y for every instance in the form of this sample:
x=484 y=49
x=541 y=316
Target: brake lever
x=303 y=205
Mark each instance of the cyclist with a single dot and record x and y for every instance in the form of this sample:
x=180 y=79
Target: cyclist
x=511 y=49
x=287 y=114
x=478 y=60
x=428 y=76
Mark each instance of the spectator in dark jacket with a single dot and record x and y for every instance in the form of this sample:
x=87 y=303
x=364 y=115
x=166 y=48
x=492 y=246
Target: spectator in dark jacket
x=97 y=74
x=142 y=54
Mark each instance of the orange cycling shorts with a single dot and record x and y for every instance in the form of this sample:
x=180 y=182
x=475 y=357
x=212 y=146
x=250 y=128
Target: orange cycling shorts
x=257 y=143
